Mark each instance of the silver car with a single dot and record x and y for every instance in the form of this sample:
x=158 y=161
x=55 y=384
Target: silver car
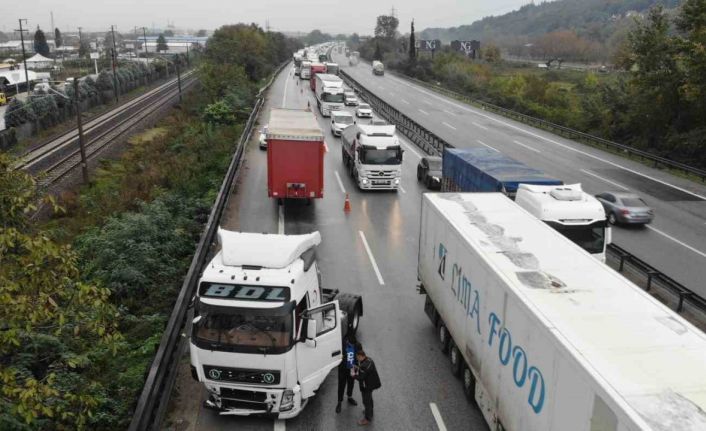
x=628 y=208
x=351 y=98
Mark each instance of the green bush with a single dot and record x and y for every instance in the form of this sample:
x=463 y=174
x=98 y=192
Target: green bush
x=18 y=113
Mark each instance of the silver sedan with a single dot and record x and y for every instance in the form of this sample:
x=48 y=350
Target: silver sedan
x=627 y=208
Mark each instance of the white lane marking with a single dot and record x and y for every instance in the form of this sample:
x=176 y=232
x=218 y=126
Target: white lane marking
x=485 y=145
x=280 y=220
x=437 y=417
x=449 y=112
x=604 y=179
x=280 y=425
x=340 y=183
x=284 y=97
x=552 y=141
x=479 y=126
x=402 y=189
x=411 y=148
x=699 y=252
x=527 y=146
x=448 y=125
x=423 y=112
x=372 y=258
x=404 y=101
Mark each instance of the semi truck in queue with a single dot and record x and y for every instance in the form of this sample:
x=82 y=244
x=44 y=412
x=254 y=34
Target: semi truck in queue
x=329 y=93
x=373 y=156
x=295 y=155
x=315 y=68
x=542 y=335
x=266 y=333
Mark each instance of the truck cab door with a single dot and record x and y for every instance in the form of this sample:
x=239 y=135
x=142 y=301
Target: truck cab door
x=319 y=348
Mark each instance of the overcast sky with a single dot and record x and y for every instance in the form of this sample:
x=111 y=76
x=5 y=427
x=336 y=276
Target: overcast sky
x=332 y=16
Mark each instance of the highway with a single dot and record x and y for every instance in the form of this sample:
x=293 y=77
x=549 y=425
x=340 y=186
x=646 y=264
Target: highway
x=675 y=243
x=371 y=251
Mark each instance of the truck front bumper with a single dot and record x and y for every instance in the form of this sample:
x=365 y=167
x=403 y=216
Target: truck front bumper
x=379 y=184
x=250 y=401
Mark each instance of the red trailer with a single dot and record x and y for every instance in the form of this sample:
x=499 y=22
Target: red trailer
x=316 y=68
x=295 y=155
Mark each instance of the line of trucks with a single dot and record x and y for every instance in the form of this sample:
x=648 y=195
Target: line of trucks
x=542 y=335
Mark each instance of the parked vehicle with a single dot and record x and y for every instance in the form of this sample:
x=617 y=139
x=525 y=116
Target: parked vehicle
x=486 y=170
x=627 y=208
x=364 y=111
x=351 y=98
x=265 y=332
x=339 y=121
x=378 y=68
x=373 y=156
x=429 y=172
x=568 y=209
x=3 y=99
x=332 y=68
x=295 y=155
x=329 y=93
x=262 y=140
x=545 y=337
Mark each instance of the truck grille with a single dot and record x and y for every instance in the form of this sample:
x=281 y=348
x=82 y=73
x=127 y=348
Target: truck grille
x=241 y=395
x=381 y=175
x=241 y=375
x=247 y=405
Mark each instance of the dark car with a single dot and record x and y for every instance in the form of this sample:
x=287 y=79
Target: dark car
x=628 y=208
x=429 y=172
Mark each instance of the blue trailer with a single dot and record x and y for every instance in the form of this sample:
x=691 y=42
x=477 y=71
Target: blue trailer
x=486 y=170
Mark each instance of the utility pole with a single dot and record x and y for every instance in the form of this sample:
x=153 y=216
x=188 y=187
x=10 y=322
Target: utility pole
x=144 y=45
x=24 y=55
x=188 y=62
x=115 y=76
x=178 y=75
x=81 y=141
x=80 y=45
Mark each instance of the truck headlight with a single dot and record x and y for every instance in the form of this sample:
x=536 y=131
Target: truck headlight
x=397 y=180
x=287 y=402
x=364 y=181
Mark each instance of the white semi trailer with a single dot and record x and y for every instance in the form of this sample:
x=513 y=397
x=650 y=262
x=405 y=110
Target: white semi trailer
x=544 y=336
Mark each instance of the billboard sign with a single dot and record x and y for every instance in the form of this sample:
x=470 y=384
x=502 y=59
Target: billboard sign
x=428 y=45
x=469 y=47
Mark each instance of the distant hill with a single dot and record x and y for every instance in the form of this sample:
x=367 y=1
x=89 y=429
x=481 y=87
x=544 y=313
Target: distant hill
x=596 y=21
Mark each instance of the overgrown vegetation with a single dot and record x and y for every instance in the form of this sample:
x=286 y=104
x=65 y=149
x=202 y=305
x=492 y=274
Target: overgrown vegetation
x=85 y=296
x=657 y=103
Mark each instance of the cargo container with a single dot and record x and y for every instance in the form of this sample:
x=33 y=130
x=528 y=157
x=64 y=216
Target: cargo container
x=544 y=336
x=295 y=155
x=316 y=68
x=486 y=170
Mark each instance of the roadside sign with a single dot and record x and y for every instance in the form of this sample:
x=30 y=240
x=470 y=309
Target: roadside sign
x=428 y=45
x=469 y=47
x=95 y=56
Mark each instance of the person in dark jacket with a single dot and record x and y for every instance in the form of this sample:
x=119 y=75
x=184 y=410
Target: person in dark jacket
x=346 y=370
x=369 y=380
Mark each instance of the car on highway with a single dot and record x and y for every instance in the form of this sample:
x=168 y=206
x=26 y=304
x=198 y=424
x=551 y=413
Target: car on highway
x=263 y=138
x=364 y=111
x=351 y=98
x=339 y=121
x=429 y=172
x=626 y=208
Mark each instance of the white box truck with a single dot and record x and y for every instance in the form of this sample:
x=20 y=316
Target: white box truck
x=329 y=93
x=544 y=336
x=567 y=208
x=373 y=156
x=265 y=333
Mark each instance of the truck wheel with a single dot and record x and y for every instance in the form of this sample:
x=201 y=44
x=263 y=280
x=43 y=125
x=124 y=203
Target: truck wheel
x=343 y=157
x=469 y=385
x=455 y=358
x=354 y=321
x=443 y=338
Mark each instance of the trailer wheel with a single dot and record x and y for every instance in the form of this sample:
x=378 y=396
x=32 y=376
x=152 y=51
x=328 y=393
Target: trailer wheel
x=469 y=384
x=354 y=321
x=455 y=358
x=443 y=338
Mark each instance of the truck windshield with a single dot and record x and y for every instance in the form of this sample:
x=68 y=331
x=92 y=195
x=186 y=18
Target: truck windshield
x=369 y=156
x=590 y=238
x=246 y=330
x=333 y=98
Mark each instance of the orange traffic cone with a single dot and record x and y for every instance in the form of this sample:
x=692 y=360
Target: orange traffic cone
x=347 y=205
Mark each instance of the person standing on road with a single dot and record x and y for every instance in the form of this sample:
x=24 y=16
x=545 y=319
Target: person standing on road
x=346 y=370
x=369 y=380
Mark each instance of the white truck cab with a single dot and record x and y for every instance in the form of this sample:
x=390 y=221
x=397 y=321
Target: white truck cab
x=373 y=156
x=340 y=120
x=571 y=211
x=265 y=334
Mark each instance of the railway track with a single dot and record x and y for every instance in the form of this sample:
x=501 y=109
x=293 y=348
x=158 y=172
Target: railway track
x=59 y=156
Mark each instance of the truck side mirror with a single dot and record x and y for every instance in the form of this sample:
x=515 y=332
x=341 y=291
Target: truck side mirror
x=311 y=332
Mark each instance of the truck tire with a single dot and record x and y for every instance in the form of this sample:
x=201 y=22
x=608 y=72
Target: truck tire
x=456 y=359
x=344 y=159
x=354 y=320
x=469 y=384
x=443 y=338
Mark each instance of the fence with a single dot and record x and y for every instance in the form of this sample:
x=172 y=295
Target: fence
x=154 y=399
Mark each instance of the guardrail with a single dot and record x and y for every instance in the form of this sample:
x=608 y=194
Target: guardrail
x=434 y=145
x=657 y=161
x=156 y=392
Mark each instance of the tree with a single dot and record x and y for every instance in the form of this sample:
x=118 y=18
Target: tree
x=3 y=37
x=491 y=53
x=18 y=113
x=53 y=324
x=378 y=53
x=201 y=33
x=108 y=41
x=412 y=45
x=84 y=49
x=40 y=43
x=58 y=41
x=691 y=22
x=162 y=44
x=386 y=26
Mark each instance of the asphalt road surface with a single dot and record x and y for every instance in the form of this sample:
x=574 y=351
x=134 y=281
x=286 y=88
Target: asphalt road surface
x=371 y=251
x=675 y=243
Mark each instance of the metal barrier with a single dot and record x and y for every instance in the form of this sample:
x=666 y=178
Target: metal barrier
x=434 y=145
x=156 y=392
